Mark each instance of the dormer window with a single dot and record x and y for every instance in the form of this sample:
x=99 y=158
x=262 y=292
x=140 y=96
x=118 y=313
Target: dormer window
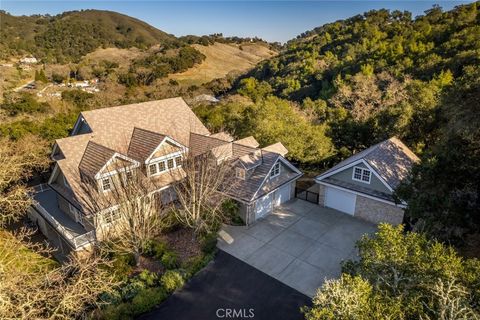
x=152 y=169
x=361 y=174
x=275 y=170
x=170 y=164
x=106 y=184
x=178 y=161
x=240 y=173
x=161 y=166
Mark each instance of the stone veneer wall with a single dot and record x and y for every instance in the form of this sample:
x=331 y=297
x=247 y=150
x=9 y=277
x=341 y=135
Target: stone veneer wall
x=376 y=211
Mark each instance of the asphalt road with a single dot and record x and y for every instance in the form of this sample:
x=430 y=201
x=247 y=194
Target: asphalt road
x=231 y=289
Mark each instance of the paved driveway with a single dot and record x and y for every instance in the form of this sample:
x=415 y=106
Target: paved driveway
x=301 y=244
x=229 y=285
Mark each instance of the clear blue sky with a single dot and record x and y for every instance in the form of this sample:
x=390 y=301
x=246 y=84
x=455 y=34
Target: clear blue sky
x=270 y=20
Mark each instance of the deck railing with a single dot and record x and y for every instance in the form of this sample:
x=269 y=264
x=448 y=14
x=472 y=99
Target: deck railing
x=78 y=241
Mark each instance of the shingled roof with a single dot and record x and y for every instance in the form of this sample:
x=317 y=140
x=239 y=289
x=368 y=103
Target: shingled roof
x=94 y=158
x=143 y=143
x=113 y=128
x=391 y=159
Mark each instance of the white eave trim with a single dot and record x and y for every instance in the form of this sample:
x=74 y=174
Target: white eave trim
x=402 y=205
x=350 y=165
x=80 y=119
x=287 y=163
x=135 y=164
x=166 y=139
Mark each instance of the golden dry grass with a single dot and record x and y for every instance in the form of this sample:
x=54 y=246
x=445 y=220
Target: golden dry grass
x=121 y=56
x=222 y=59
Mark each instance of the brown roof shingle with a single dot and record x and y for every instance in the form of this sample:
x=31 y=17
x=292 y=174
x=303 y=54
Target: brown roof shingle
x=94 y=158
x=143 y=143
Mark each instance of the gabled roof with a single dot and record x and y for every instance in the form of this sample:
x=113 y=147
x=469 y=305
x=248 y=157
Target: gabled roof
x=143 y=143
x=112 y=128
x=223 y=136
x=390 y=159
x=257 y=183
x=94 y=158
x=277 y=148
x=248 y=141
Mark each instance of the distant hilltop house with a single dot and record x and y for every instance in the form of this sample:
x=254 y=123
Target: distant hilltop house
x=151 y=138
x=29 y=60
x=363 y=185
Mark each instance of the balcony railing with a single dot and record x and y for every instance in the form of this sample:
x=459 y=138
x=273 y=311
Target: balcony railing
x=75 y=239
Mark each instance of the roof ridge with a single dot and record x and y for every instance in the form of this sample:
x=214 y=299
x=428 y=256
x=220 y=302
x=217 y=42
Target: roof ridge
x=150 y=131
x=131 y=104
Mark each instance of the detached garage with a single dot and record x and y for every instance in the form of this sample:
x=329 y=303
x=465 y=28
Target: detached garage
x=340 y=200
x=363 y=185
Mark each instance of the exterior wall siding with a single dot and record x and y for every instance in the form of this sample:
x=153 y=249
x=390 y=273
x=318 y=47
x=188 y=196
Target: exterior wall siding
x=375 y=183
x=64 y=206
x=376 y=211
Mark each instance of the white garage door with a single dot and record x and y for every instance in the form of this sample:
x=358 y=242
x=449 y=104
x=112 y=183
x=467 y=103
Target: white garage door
x=263 y=206
x=340 y=200
x=282 y=195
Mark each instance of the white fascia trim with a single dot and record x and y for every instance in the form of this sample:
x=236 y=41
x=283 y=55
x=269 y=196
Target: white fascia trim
x=115 y=155
x=323 y=176
x=377 y=175
x=80 y=119
x=167 y=156
x=54 y=173
x=166 y=139
x=403 y=205
x=350 y=165
x=54 y=149
x=286 y=162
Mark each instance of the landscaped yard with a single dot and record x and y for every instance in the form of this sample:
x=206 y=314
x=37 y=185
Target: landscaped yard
x=167 y=263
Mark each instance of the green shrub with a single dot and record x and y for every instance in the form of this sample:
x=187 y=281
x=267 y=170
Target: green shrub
x=132 y=289
x=195 y=264
x=23 y=103
x=146 y=299
x=209 y=243
x=169 y=260
x=122 y=265
x=155 y=248
x=121 y=311
x=172 y=280
x=149 y=278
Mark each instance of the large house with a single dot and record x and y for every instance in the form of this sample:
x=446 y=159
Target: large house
x=109 y=143
x=363 y=185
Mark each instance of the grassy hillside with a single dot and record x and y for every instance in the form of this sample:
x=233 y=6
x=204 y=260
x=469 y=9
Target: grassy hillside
x=222 y=59
x=71 y=35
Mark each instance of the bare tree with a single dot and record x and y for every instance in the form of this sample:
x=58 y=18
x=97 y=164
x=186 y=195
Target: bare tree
x=17 y=161
x=201 y=194
x=128 y=215
x=34 y=287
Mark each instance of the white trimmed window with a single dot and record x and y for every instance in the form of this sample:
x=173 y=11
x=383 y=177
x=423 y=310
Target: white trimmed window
x=161 y=166
x=106 y=186
x=170 y=164
x=152 y=169
x=361 y=174
x=275 y=170
x=178 y=161
x=111 y=215
x=240 y=173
